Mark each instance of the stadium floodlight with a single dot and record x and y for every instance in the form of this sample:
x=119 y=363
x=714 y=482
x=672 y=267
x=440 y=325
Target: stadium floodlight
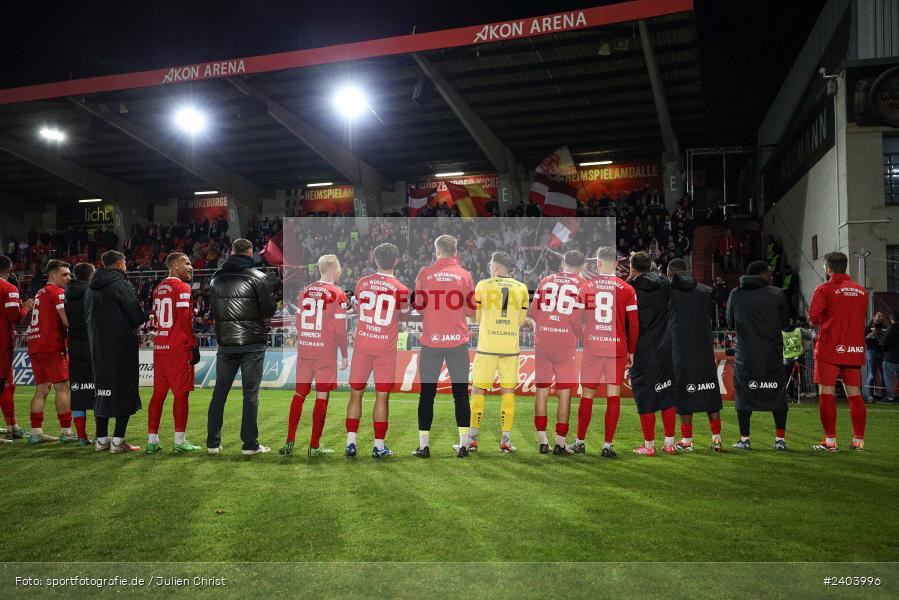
x=450 y=174
x=90 y=200
x=206 y=193
x=190 y=120
x=320 y=184
x=51 y=134
x=350 y=101
x=595 y=163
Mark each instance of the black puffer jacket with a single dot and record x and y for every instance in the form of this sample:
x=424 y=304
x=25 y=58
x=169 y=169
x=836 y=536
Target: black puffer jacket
x=79 y=349
x=242 y=301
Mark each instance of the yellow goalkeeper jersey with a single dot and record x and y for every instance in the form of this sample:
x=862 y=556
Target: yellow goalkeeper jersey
x=502 y=307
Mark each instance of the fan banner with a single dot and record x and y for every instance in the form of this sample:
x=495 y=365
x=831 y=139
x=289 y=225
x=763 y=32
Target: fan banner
x=488 y=183
x=197 y=208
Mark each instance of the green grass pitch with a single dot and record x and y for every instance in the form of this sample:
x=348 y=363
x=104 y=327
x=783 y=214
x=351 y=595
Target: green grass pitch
x=64 y=503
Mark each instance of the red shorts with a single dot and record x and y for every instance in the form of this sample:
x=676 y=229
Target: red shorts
x=173 y=371
x=602 y=369
x=49 y=367
x=6 y=372
x=324 y=372
x=383 y=365
x=558 y=361
x=826 y=374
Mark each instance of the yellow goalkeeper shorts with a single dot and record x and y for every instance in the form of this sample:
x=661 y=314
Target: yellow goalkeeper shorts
x=486 y=366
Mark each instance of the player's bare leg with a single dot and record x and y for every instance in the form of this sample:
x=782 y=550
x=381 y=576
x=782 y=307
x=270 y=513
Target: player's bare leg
x=540 y=397
x=584 y=416
x=613 y=413
x=37 y=415
x=507 y=408
x=318 y=424
x=353 y=415
x=379 y=418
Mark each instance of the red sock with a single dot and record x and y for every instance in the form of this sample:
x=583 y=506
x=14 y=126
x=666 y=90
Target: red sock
x=613 y=412
x=686 y=430
x=669 y=420
x=154 y=411
x=81 y=427
x=648 y=425
x=540 y=423
x=562 y=429
x=715 y=426
x=859 y=414
x=780 y=433
x=827 y=406
x=584 y=414
x=37 y=420
x=180 y=410
x=352 y=425
x=318 y=421
x=7 y=403
x=296 y=410
x=380 y=429
x=65 y=419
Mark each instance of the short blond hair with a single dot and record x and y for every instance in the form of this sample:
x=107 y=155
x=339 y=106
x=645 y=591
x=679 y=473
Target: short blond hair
x=328 y=263
x=446 y=245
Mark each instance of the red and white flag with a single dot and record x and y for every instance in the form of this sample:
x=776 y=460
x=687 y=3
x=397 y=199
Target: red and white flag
x=273 y=253
x=419 y=199
x=563 y=232
x=555 y=198
x=558 y=165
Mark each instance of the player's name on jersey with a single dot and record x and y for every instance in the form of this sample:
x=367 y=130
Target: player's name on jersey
x=601 y=327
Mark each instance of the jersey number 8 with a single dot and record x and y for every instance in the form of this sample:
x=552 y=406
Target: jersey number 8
x=602 y=312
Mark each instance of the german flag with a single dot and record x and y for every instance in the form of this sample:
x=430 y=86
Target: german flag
x=471 y=199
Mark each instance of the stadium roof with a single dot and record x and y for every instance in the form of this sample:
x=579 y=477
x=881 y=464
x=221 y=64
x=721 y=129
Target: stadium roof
x=579 y=78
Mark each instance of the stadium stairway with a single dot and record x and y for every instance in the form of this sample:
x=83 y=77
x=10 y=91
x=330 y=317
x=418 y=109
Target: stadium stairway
x=706 y=239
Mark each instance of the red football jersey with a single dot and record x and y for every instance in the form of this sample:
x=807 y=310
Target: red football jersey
x=839 y=309
x=444 y=295
x=321 y=321
x=380 y=300
x=12 y=313
x=173 y=312
x=46 y=332
x=554 y=310
x=608 y=309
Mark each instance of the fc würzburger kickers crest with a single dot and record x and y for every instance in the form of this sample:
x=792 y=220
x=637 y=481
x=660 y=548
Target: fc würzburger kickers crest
x=221 y=68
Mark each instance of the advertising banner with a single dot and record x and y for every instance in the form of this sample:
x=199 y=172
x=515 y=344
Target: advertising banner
x=279 y=372
x=88 y=216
